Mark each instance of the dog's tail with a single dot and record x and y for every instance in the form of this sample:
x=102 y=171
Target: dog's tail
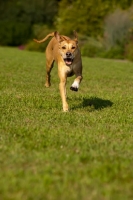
x=44 y=39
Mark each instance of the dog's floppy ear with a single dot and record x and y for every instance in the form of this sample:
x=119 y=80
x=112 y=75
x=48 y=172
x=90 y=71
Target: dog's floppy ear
x=75 y=35
x=57 y=36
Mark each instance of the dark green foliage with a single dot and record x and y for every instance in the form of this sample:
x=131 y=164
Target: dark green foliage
x=124 y=3
x=92 y=48
x=129 y=51
x=14 y=33
x=115 y=52
x=18 y=17
x=86 y=17
x=39 y=32
x=21 y=21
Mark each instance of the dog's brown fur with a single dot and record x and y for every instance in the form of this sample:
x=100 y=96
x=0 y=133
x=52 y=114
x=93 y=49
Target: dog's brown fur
x=66 y=53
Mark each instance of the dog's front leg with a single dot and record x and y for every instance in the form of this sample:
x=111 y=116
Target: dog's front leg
x=76 y=83
x=77 y=69
x=62 y=87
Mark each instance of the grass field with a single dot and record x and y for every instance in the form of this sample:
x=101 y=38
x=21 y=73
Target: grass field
x=46 y=154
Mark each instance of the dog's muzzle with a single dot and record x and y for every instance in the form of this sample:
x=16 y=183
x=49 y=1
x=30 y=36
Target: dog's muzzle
x=68 y=59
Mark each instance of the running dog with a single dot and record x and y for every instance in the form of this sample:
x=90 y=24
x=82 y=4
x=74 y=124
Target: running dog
x=65 y=52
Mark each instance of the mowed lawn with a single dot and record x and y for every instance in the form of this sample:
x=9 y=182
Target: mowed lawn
x=46 y=154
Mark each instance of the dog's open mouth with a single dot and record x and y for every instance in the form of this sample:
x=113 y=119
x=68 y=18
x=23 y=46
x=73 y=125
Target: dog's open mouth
x=68 y=61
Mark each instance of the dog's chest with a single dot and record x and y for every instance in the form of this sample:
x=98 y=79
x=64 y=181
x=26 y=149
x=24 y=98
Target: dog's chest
x=70 y=70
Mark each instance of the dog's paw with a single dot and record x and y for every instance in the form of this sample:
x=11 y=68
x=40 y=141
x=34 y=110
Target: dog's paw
x=65 y=108
x=47 y=85
x=74 y=88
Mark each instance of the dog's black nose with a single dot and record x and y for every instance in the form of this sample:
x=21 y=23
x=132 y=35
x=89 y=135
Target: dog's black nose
x=68 y=54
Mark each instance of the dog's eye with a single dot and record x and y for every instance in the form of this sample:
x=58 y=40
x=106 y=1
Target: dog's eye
x=64 y=47
x=73 y=47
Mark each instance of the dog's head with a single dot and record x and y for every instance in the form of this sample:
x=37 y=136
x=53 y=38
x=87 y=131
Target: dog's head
x=67 y=47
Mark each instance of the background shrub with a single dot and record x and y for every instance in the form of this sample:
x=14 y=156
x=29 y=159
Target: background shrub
x=117 y=28
x=129 y=51
x=115 y=52
x=39 y=32
x=117 y=33
x=21 y=21
x=14 y=33
x=82 y=15
x=91 y=47
x=17 y=19
x=87 y=17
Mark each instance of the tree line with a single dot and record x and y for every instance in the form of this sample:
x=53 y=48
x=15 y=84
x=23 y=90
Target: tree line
x=105 y=27
x=17 y=17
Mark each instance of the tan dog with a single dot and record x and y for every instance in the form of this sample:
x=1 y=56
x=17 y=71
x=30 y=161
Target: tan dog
x=66 y=53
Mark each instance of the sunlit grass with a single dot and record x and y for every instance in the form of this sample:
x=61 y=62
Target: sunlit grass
x=84 y=154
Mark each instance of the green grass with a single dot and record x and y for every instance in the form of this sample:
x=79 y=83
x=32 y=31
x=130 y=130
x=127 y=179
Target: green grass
x=46 y=154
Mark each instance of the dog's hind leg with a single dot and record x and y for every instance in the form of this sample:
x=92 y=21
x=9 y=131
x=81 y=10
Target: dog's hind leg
x=49 y=66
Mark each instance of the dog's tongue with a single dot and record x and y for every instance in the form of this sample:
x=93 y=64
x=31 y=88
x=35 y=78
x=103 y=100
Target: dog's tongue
x=68 y=61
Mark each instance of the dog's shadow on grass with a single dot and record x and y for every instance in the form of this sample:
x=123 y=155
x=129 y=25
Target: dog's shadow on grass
x=94 y=103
